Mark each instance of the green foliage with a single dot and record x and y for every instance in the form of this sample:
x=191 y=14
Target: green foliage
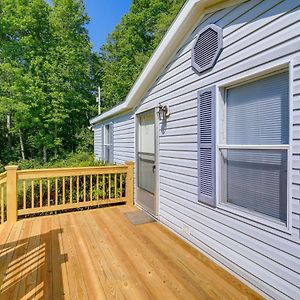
x=48 y=72
x=131 y=44
x=79 y=159
x=47 y=76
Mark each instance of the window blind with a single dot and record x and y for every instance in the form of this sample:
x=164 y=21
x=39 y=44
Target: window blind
x=258 y=112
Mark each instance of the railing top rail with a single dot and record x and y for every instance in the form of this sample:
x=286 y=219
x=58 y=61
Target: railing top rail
x=73 y=169
x=3 y=177
x=4 y=174
x=57 y=172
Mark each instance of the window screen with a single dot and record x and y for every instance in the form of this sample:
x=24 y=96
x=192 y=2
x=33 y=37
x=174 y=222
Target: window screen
x=146 y=152
x=257 y=114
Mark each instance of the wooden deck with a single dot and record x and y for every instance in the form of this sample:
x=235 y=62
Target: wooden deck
x=98 y=254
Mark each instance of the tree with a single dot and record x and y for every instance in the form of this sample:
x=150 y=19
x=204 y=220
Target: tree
x=130 y=45
x=47 y=66
x=69 y=72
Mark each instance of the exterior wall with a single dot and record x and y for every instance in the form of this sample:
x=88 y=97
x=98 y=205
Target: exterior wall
x=257 y=34
x=123 y=139
x=98 y=142
x=124 y=135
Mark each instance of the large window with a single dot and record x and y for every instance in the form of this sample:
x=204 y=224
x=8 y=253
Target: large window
x=254 y=146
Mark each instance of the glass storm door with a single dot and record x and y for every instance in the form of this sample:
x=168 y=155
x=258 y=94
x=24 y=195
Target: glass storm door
x=146 y=168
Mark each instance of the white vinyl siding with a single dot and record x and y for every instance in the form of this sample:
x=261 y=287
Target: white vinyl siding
x=257 y=34
x=98 y=142
x=123 y=138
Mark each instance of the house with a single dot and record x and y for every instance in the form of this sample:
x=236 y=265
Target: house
x=213 y=127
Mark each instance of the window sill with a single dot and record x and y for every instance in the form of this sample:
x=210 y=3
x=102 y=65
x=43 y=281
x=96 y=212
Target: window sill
x=252 y=216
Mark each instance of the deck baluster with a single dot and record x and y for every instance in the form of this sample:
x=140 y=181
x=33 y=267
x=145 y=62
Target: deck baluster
x=84 y=188
x=24 y=194
x=56 y=191
x=32 y=193
x=71 y=189
x=41 y=192
x=91 y=188
x=77 y=189
x=2 y=202
x=64 y=190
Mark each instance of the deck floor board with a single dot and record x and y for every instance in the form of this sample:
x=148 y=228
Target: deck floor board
x=99 y=254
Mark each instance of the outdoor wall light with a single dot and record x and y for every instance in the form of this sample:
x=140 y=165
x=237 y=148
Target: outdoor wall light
x=163 y=112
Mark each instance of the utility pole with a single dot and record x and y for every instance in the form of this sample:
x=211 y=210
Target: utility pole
x=98 y=99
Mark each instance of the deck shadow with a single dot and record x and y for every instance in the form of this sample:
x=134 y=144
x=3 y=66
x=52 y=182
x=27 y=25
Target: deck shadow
x=30 y=266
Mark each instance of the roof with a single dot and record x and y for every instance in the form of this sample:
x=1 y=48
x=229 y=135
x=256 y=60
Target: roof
x=190 y=14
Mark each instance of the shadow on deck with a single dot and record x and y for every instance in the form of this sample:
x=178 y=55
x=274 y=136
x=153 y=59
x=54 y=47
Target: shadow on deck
x=99 y=254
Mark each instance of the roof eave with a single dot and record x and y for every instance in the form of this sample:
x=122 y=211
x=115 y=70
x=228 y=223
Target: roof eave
x=182 y=25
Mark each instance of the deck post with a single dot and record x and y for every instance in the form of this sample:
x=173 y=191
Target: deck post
x=11 y=198
x=129 y=183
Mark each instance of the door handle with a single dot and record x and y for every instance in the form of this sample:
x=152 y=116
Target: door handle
x=153 y=168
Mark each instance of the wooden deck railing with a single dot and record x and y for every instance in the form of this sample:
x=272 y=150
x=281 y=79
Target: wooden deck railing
x=38 y=191
x=3 y=211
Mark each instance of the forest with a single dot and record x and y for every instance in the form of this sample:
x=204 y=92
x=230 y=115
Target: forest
x=49 y=74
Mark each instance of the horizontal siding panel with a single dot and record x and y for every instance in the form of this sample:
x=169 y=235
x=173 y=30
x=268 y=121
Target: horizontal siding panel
x=191 y=138
x=296 y=90
x=276 y=19
x=192 y=180
x=296 y=222
x=244 y=233
x=180 y=131
x=177 y=162
x=181 y=123
x=182 y=104
x=296 y=206
x=124 y=131
x=98 y=142
x=296 y=73
x=236 y=11
x=180 y=146
x=179 y=185
x=179 y=170
x=275 y=261
x=181 y=194
x=179 y=154
x=219 y=246
x=188 y=113
x=124 y=145
x=271 y=15
x=187 y=45
x=243 y=60
x=248 y=41
x=172 y=223
x=256 y=8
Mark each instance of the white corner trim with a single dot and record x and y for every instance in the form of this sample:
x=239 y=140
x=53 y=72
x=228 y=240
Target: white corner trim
x=184 y=22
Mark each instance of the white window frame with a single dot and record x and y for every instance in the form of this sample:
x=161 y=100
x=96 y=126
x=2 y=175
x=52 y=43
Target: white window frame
x=246 y=214
x=106 y=137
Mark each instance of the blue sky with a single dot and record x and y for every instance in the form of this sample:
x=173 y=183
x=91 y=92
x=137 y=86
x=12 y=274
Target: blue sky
x=105 y=15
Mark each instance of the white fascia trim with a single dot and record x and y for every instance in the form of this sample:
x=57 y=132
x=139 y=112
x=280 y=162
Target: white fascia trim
x=183 y=24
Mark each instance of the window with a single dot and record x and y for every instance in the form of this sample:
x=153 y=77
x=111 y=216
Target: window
x=107 y=143
x=254 y=146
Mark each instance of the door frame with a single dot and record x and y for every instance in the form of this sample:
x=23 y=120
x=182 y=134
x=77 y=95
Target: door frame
x=156 y=147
